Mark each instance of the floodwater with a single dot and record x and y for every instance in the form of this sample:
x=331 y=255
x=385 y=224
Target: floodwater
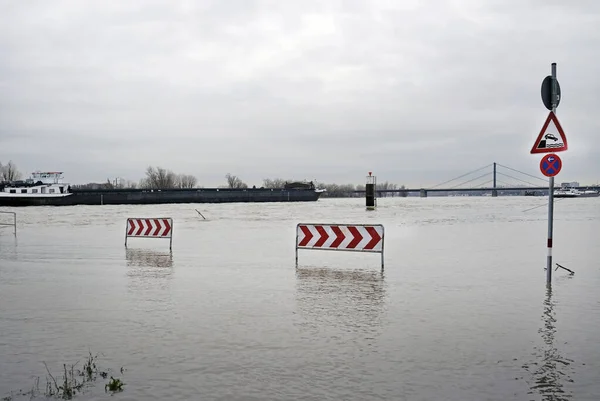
x=461 y=311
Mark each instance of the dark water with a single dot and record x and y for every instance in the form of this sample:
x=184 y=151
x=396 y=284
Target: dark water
x=461 y=311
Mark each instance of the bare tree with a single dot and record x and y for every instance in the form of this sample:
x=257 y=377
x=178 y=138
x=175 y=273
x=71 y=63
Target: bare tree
x=348 y=190
x=338 y=191
x=159 y=178
x=234 y=181
x=274 y=183
x=186 y=181
x=9 y=172
x=403 y=194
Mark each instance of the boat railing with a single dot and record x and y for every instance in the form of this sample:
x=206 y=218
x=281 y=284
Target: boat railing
x=22 y=184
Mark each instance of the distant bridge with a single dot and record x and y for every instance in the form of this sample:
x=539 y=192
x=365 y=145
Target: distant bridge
x=483 y=187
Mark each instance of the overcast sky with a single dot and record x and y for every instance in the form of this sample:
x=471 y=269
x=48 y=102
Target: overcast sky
x=416 y=91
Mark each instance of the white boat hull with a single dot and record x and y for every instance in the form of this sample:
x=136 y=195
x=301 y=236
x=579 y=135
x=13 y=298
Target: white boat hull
x=575 y=193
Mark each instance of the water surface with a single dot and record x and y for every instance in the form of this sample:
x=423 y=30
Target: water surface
x=461 y=311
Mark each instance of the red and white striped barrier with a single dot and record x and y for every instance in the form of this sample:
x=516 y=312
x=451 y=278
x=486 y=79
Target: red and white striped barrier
x=340 y=237
x=150 y=228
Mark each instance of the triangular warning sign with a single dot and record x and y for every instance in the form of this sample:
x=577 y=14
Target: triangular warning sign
x=551 y=138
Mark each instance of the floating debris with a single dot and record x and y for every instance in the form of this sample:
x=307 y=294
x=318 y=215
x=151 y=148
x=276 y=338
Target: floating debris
x=562 y=267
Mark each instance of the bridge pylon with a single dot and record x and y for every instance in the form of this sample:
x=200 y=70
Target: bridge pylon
x=494 y=190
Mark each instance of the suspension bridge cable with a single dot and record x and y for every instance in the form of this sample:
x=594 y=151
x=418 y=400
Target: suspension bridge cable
x=521 y=172
x=515 y=178
x=487 y=182
x=461 y=176
x=466 y=182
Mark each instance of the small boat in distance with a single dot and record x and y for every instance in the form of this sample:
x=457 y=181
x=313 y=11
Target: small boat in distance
x=575 y=193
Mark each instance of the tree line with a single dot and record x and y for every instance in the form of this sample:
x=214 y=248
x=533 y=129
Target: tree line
x=155 y=178
x=348 y=190
x=162 y=178
x=335 y=190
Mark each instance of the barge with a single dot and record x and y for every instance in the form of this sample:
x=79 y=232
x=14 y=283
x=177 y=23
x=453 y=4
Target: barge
x=48 y=189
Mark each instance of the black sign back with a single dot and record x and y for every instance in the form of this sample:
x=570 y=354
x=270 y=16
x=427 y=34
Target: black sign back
x=547 y=92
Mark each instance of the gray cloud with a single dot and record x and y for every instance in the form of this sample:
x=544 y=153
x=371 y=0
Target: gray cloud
x=417 y=92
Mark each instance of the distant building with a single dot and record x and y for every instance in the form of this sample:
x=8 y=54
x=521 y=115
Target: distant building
x=569 y=184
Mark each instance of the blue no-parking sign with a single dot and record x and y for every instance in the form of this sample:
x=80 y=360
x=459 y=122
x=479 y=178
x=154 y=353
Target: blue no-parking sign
x=550 y=165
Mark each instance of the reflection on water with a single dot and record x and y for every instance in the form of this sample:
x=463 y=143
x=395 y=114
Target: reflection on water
x=150 y=274
x=148 y=258
x=551 y=369
x=8 y=247
x=148 y=268
x=351 y=300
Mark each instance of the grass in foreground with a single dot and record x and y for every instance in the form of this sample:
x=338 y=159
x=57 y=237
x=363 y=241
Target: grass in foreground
x=73 y=381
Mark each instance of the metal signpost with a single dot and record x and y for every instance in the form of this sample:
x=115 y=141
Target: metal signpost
x=551 y=139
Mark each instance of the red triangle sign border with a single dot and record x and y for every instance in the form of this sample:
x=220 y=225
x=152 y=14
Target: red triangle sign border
x=551 y=118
